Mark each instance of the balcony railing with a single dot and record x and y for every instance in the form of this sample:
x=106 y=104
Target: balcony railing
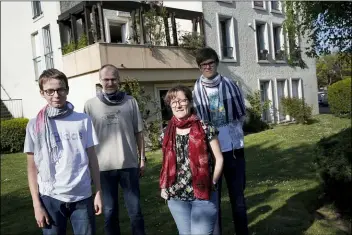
x=11 y=108
x=227 y=52
x=279 y=55
x=263 y=54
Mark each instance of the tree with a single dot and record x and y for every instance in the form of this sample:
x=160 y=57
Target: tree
x=332 y=68
x=327 y=25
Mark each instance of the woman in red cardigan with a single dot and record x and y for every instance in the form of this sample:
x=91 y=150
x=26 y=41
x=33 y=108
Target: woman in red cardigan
x=192 y=165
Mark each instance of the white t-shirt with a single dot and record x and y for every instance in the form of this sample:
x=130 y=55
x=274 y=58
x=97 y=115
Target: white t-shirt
x=230 y=134
x=74 y=134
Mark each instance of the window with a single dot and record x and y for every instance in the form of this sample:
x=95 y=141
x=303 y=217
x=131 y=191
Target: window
x=276 y=6
x=261 y=40
x=265 y=96
x=48 y=50
x=259 y=4
x=282 y=91
x=295 y=86
x=118 y=32
x=226 y=38
x=278 y=42
x=36 y=55
x=36 y=9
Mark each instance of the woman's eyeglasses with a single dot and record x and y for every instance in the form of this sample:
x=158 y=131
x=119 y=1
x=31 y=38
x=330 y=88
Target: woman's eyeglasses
x=183 y=102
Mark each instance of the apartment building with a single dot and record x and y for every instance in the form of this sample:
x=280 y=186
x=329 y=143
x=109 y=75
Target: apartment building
x=250 y=41
x=78 y=37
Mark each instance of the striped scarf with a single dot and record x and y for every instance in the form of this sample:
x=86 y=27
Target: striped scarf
x=229 y=94
x=115 y=98
x=46 y=149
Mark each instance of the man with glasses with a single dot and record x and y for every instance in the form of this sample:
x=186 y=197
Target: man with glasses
x=117 y=120
x=61 y=162
x=219 y=100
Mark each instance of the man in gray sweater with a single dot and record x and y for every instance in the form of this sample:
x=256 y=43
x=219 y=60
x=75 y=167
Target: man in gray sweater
x=119 y=127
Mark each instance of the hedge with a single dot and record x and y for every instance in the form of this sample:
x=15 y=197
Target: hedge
x=13 y=132
x=297 y=109
x=339 y=98
x=334 y=165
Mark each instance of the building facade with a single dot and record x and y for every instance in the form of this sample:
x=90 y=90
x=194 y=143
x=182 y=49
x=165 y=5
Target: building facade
x=79 y=37
x=250 y=41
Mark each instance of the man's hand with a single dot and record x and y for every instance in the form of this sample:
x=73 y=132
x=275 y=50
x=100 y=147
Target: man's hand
x=98 y=203
x=142 y=165
x=41 y=216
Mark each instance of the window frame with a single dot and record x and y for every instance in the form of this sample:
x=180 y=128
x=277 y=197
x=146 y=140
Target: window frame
x=277 y=11
x=48 y=47
x=36 y=9
x=266 y=40
x=258 y=7
x=231 y=37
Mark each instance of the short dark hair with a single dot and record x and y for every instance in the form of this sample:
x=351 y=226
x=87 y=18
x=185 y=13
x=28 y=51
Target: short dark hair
x=112 y=67
x=52 y=74
x=206 y=54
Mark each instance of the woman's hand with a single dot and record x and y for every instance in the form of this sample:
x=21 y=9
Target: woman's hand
x=164 y=194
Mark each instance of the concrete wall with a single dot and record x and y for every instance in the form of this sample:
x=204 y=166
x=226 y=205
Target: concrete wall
x=17 y=67
x=246 y=69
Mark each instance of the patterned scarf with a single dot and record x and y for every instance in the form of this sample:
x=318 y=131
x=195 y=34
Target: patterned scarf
x=46 y=149
x=229 y=94
x=198 y=155
x=115 y=98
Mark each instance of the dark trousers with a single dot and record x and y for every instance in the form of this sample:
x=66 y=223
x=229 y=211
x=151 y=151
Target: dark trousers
x=234 y=172
x=129 y=181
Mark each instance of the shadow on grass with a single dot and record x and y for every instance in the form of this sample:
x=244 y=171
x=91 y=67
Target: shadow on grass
x=295 y=217
x=267 y=165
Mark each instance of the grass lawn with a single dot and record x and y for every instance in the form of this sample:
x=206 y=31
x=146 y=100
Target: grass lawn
x=282 y=188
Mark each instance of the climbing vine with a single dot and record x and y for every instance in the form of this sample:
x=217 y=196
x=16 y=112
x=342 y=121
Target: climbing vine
x=291 y=28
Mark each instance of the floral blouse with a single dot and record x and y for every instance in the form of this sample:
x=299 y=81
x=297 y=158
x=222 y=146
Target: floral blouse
x=182 y=189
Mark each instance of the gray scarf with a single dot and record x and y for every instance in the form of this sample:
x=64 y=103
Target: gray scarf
x=229 y=94
x=45 y=148
x=115 y=98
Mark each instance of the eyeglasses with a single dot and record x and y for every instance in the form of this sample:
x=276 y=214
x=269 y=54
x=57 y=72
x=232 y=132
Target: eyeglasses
x=60 y=91
x=209 y=64
x=113 y=80
x=183 y=102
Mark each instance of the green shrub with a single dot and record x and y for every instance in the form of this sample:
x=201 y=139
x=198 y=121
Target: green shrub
x=13 y=132
x=339 y=98
x=151 y=128
x=254 y=122
x=297 y=109
x=333 y=162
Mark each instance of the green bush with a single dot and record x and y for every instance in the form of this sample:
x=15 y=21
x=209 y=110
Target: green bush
x=339 y=98
x=13 y=132
x=333 y=162
x=297 y=109
x=151 y=128
x=254 y=122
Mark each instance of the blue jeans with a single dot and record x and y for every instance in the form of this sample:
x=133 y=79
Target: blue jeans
x=195 y=217
x=81 y=215
x=235 y=175
x=129 y=181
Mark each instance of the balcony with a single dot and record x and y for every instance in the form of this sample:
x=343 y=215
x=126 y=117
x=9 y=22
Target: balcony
x=126 y=56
